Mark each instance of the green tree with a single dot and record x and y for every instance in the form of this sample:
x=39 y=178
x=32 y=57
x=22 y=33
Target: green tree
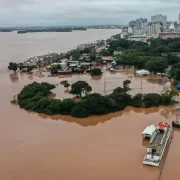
x=137 y=100
x=173 y=59
x=156 y=64
x=66 y=85
x=67 y=106
x=30 y=68
x=97 y=104
x=13 y=66
x=105 y=52
x=92 y=57
x=175 y=72
x=20 y=66
x=151 y=100
x=126 y=85
x=79 y=87
x=76 y=54
x=96 y=72
x=64 y=82
x=121 y=100
x=79 y=111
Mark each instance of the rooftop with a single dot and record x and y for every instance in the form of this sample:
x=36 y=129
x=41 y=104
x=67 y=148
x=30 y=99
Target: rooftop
x=149 y=129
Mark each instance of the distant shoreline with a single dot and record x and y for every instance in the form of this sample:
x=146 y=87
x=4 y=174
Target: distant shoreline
x=27 y=30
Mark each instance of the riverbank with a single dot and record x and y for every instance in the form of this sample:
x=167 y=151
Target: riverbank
x=20 y=48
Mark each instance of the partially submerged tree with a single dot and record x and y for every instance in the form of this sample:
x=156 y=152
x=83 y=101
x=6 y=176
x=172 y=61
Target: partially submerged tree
x=126 y=85
x=66 y=85
x=96 y=72
x=63 y=82
x=80 y=87
x=13 y=66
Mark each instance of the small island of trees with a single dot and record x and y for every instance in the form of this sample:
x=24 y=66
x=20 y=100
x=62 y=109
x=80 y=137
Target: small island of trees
x=34 y=97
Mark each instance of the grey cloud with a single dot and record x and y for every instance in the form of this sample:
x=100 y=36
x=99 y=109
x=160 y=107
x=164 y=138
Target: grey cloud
x=82 y=11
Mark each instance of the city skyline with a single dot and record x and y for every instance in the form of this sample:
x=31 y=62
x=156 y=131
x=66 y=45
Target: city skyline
x=82 y=12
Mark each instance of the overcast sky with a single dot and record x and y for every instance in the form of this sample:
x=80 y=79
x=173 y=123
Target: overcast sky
x=82 y=12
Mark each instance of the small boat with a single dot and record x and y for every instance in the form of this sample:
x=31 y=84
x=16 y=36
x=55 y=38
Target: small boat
x=157 y=144
x=176 y=123
x=149 y=131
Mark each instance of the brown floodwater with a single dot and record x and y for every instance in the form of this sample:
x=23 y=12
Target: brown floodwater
x=39 y=147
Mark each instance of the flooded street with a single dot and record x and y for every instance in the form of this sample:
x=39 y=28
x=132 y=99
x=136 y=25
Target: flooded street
x=39 y=147
x=35 y=146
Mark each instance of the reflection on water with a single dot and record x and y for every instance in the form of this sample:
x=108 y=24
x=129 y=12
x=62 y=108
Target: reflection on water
x=67 y=91
x=14 y=77
x=165 y=112
x=96 y=77
x=30 y=77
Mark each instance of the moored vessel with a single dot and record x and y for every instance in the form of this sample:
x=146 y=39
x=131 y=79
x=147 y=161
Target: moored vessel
x=157 y=144
x=176 y=123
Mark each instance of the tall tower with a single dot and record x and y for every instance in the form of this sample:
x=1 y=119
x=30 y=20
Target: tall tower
x=178 y=21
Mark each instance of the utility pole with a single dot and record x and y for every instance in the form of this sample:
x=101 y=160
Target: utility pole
x=141 y=85
x=104 y=83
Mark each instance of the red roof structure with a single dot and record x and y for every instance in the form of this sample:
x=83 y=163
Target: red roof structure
x=162 y=125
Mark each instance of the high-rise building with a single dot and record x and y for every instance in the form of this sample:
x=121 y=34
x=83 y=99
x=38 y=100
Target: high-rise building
x=178 y=21
x=139 y=32
x=159 y=18
x=153 y=28
x=150 y=30
x=138 y=24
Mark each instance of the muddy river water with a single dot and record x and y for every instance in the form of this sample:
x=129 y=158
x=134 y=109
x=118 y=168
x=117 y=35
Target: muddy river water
x=38 y=147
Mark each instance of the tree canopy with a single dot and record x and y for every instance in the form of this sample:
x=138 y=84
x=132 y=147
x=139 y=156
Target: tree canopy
x=66 y=85
x=92 y=57
x=96 y=72
x=34 y=97
x=154 y=55
x=13 y=66
x=76 y=54
x=80 y=87
x=156 y=64
x=175 y=72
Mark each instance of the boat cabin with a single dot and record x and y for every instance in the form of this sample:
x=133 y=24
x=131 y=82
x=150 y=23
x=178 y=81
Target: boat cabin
x=149 y=131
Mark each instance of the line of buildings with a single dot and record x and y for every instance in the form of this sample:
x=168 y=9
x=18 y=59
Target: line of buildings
x=159 y=26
